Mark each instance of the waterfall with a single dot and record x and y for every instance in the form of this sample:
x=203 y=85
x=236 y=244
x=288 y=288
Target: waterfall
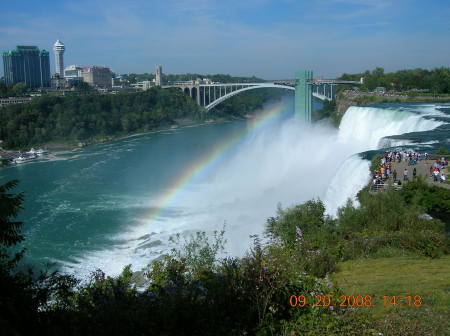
x=366 y=128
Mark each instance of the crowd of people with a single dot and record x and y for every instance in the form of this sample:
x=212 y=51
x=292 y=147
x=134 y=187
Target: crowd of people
x=437 y=170
x=386 y=171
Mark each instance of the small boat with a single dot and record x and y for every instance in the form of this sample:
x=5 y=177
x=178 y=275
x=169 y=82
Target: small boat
x=24 y=157
x=41 y=151
x=31 y=151
x=19 y=159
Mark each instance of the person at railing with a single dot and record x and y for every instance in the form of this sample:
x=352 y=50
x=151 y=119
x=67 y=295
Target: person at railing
x=405 y=175
x=436 y=174
x=374 y=184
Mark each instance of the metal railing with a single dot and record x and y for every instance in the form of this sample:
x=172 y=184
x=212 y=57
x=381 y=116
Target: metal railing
x=384 y=187
x=378 y=187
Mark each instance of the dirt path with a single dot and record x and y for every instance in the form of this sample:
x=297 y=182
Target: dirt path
x=422 y=168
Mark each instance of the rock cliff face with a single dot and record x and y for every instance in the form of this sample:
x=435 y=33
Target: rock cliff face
x=343 y=102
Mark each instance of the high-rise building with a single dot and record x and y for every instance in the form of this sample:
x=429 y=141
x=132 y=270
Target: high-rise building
x=97 y=76
x=158 y=75
x=27 y=64
x=59 y=48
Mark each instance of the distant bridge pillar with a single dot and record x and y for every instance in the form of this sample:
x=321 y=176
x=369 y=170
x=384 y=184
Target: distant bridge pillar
x=303 y=95
x=197 y=97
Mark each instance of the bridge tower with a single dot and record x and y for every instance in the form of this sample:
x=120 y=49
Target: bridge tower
x=303 y=95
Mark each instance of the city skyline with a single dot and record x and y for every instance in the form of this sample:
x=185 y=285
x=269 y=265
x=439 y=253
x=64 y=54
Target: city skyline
x=268 y=39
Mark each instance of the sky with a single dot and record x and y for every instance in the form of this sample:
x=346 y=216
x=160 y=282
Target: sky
x=270 y=39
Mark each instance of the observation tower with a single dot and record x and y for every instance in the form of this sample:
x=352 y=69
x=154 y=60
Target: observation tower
x=59 y=48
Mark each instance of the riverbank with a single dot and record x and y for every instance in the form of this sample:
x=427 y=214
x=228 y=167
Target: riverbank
x=59 y=148
x=55 y=149
x=178 y=124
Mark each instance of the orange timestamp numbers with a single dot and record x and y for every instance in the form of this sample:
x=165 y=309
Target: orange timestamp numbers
x=347 y=301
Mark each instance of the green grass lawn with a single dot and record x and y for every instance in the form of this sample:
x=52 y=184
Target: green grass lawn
x=401 y=276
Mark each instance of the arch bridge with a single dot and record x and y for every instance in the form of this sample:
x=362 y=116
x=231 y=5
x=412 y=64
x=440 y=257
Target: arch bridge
x=305 y=87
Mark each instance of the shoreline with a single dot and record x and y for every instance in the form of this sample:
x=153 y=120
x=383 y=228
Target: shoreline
x=177 y=126
x=57 y=148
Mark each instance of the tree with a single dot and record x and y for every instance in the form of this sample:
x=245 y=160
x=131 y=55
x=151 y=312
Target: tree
x=3 y=89
x=436 y=80
x=90 y=117
x=306 y=217
x=83 y=86
x=17 y=300
x=19 y=89
x=9 y=229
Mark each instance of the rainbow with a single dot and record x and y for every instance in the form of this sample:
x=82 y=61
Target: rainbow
x=209 y=161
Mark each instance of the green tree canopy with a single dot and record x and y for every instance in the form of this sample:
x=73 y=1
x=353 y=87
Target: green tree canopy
x=436 y=80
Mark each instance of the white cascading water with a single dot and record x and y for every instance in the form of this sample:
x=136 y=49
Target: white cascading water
x=288 y=163
x=368 y=126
